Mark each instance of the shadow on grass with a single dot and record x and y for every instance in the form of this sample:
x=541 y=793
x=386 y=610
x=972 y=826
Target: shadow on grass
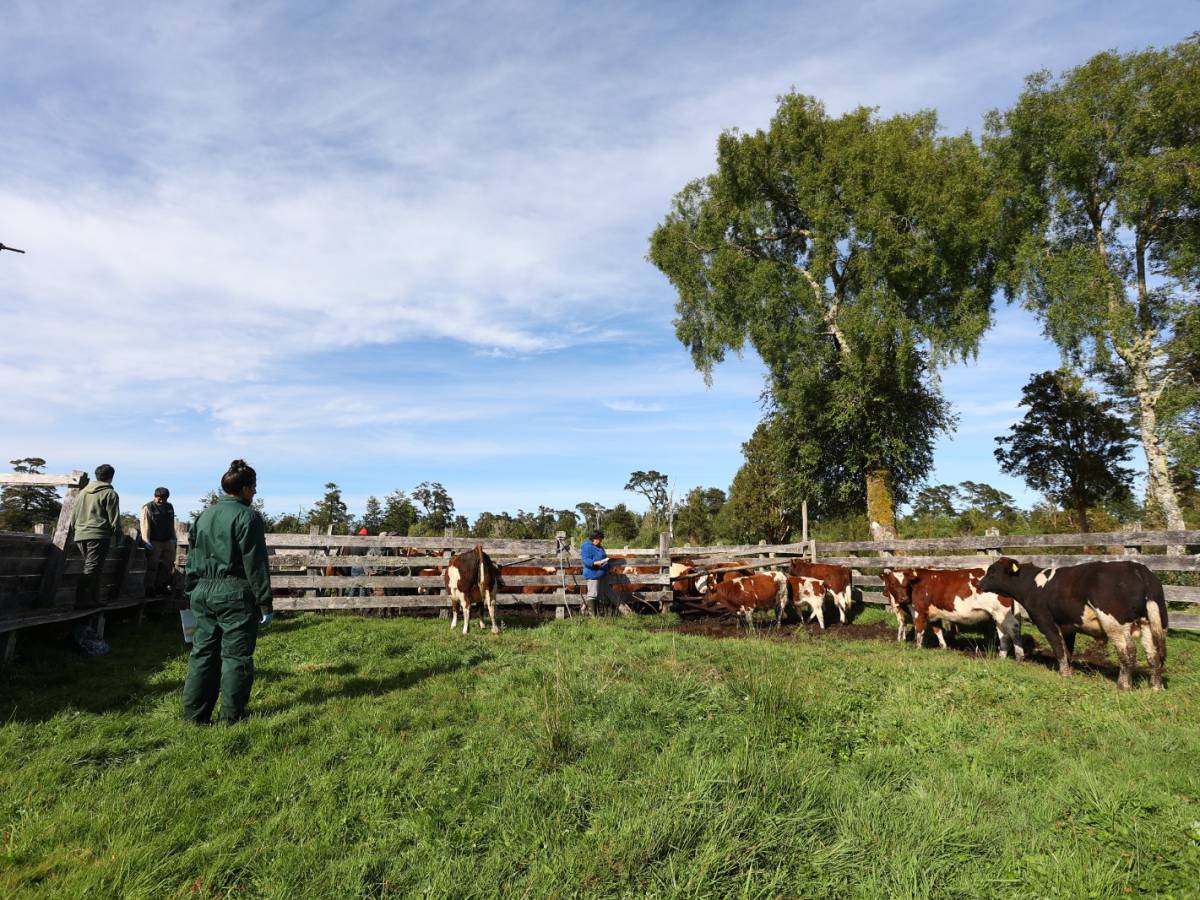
x=367 y=686
x=51 y=675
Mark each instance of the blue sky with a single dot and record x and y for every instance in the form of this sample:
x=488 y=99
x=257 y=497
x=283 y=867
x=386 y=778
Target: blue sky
x=381 y=243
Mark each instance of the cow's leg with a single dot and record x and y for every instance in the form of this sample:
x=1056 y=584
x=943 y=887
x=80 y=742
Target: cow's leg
x=920 y=622
x=1062 y=649
x=489 y=597
x=901 y=623
x=938 y=633
x=1153 y=659
x=453 y=613
x=1008 y=630
x=818 y=608
x=1121 y=636
x=466 y=608
x=844 y=604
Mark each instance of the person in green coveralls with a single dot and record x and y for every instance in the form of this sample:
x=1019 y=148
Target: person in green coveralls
x=228 y=584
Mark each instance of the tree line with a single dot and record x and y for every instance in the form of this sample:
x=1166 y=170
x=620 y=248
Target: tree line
x=859 y=255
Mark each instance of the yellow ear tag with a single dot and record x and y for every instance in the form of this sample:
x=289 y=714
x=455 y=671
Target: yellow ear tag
x=1016 y=568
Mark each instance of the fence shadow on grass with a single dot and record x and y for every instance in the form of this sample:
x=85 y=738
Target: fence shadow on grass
x=51 y=675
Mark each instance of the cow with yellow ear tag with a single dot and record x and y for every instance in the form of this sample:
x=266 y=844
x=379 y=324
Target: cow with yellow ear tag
x=1120 y=601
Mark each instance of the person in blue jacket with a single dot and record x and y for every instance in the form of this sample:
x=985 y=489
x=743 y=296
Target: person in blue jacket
x=595 y=572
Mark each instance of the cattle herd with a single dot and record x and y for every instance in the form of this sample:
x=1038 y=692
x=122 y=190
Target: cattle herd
x=1120 y=602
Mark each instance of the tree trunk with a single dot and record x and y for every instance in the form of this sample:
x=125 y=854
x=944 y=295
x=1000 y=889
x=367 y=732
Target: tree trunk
x=1158 y=469
x=881 y=506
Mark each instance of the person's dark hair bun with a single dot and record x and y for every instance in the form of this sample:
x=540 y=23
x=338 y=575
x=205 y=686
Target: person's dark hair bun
x=240 y=475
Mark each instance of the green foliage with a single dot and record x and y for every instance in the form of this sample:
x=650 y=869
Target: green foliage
x=696 y=517
x=592 y=758
x=330 y=511
x=1069 y=446
x=437 y=508
x=372 y=518
x=653 y=486
x=542 y=525
x=399 y=514
x=620 y=526
x=855 y=255
x=1099 y=170
x=758 y=507
x=23 y=506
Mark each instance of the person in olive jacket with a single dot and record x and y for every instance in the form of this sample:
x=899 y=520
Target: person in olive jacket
x=228 y=584
x=96 y=522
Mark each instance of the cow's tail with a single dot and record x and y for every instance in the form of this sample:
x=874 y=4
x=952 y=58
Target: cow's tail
x=1156 y=613
x=482 y=569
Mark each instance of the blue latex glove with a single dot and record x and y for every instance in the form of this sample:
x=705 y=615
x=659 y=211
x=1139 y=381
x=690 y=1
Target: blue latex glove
x=267 y=619
x=148 y=545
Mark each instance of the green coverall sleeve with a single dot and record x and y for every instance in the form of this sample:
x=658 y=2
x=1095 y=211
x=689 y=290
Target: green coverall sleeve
x=254 y=559
x=112 y=512
x=191 y=574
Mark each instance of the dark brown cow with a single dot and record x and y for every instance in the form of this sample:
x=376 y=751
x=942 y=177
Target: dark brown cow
x=471 y=578
x=742 y=596
x=952 y=596
x=1110 y=601
x=839 y=580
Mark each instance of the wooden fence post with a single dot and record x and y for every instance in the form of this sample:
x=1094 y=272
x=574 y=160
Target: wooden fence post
x=664 y=558
x=56 y=561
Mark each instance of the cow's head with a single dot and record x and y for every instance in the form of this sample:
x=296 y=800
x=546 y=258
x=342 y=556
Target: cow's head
x=1003 y=576
x=898 y=585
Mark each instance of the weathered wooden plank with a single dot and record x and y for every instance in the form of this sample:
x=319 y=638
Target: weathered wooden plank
x=797 y=549
x=999 y=542
x=1178 y=622
x=53 y=573
x=545 y=548
x=287 y=604
x=1156 y=563
x=298 y=582
x=50 y=616
x=71 y=480
x=22 y=565
x=20 y=540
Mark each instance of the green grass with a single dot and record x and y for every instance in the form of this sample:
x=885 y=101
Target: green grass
x=613 y=758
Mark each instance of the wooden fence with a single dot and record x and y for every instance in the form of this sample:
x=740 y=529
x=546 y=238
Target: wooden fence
x=39 y=572
x=299 y=563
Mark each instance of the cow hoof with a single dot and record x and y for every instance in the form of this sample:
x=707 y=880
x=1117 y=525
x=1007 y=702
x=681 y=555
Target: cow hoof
x=1065 y=673
x=495 y=630
x=1157 y=686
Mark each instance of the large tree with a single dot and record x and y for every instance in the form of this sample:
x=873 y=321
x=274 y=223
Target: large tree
x=653 y=486
x=330 y=511
x=854 y=254
x=24 y=505
x=1069 y=446
x=1102 y=174
x=758 y=509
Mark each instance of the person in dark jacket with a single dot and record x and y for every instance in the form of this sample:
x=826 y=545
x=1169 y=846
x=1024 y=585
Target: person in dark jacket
x=96 y=522
x=157 y=528
x=595 y=573
x=228 y=583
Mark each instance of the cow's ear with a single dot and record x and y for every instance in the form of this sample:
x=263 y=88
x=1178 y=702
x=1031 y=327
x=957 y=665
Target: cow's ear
x=1016 y=568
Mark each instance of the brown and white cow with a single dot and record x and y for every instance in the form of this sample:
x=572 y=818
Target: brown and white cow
x=950 y=596
x=742 y=596
x=1114 y=601
x=692 y=579
x=838 y=580
x=471 y=578
x=810 y=592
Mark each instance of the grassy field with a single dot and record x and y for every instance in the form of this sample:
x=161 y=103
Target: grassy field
x=611 y=758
